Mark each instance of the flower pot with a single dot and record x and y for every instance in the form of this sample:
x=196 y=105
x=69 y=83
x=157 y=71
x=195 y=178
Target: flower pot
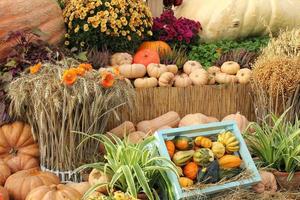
x=282 y=179
x=142 y=196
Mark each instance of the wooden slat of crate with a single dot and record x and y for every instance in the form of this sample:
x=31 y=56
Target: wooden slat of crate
x=217 y=101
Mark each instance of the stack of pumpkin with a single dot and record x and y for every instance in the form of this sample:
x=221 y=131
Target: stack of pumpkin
x=200 y=160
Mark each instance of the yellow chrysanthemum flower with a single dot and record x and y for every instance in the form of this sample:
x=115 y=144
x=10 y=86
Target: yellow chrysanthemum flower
x=86 y=27
x=67 y=43
x=76 y=29
x=129 y=37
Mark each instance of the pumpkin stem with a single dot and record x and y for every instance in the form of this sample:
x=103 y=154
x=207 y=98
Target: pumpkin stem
x=13 y=151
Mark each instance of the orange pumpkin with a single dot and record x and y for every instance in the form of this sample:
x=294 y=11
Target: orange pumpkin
x=4 y=172
x=190 y=170
x=161 y=47
x=45 y=15
x=3 y=194
x=203 y=142
x=146 y=57
x=17 y=146
x=21 y=183
x=170 y=147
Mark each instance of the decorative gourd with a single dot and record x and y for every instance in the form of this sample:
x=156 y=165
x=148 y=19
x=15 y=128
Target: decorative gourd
x=213 y=70
x=199 y=77
x=230 y=67
x=201 y=141
x=161 y=47
x=133 y=70
x=241 y=120
x=170 y=147
x=82 y=187
x=172 y=68
x=185 y=182
x=230 y=142
x=99 y=177
x=145 y=82
x=181 y=158
x=227 y=174
x=203 y=156
x=183 y=143
x=156 y=70
x=209 y=174
x=218 y=149
x=4 y=172
x=17 y=147
x=166 y=79
x=118 y=59
x=244 y=75
x=182 y=80
x=268 y=183
x=190 y=66
x=145 y=57
x=232 y=19
x=21 y=183
x=3 y=193
x=190 y=170
x=136 y=137
x=168 y=119
x=223 y=78
x=230 y=161
x=20 y=16
x=54 y=192
x=193 y=119
x=179 y=170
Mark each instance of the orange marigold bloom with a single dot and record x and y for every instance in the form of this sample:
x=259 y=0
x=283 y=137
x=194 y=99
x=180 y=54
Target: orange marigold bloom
x=116 y=71
x=107 y=80
x=35 y=68
x=80 y=71
x=86 y=66
x=69 y=76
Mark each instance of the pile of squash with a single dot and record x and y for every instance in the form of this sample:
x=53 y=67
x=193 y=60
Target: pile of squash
x=204 y=160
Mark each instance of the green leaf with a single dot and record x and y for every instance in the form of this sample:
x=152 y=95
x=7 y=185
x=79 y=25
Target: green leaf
x=11 y=63
x=140 y=175
x=82 y=56
x=130 y=181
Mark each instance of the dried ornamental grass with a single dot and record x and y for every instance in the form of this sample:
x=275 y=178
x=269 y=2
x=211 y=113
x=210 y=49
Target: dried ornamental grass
x=56 y=111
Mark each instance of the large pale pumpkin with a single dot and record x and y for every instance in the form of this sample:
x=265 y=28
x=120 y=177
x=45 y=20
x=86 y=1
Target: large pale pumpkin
x=232 y=19
x=241 y=120
x=54 y=192
x=3 y=194
x=21 y=183
x=45 y=15
x=193 y=119
x=4 y=172
x=17 y=146
x=82 y=187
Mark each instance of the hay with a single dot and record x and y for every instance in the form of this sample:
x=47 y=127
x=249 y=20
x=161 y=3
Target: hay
x=56 y=111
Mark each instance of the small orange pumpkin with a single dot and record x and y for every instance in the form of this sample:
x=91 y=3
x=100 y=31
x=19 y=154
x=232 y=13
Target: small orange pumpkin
x=170 y=147
x=190 y=170
x=203 y=142
x=161 y=47
x=146 y=56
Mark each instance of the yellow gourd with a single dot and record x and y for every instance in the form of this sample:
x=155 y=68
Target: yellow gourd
x=218 y=149
x=203 y=142
x=185 y=182
x=230 y=142
x=230 y=161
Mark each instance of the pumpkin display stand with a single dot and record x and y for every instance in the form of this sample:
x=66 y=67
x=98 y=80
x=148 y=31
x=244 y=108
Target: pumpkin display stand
x=211 y=100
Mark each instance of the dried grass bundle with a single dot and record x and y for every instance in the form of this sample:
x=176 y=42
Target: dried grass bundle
x=57 y=111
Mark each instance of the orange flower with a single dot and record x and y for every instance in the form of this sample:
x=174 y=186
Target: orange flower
x=80 y=71
x=69 y=76
x=107 y=80
x=86 y=66
x=116 y=71
x=35 y=68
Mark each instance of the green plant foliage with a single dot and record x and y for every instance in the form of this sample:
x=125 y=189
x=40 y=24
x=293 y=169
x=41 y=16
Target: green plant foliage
x=134 y=168
x=277 y=143
x=208 y=53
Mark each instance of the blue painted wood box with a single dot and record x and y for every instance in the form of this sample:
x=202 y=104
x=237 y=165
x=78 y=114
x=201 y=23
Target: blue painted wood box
x=208 y=130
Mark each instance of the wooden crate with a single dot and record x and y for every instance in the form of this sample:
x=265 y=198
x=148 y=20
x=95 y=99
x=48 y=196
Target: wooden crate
x=212 y=100
x=211 y=129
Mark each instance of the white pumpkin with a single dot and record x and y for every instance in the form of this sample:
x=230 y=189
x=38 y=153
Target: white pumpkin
x=146 y=82
x=191 y=66
x=244 y=75
x=232 y=19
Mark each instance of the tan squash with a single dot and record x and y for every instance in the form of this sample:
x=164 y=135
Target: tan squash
x=190 y=66
x=133 y=70
x=172 y=68
x=146 y=82
x=156 y=70
x=223 y=78
x=168 y=119
x=213 y=70
x=199 y=77
x=164 y=128
x=4 y=172
x=230 y=67
x=45 y=15
x=166 y=79
x=211 y=119
x=182 y=80
x=17 y=147
x=21 y=183
x=241 y=120
x=267 y=183
x=118 y=59
x=98 y=177
x=82 y=187
x=54 y=192
x=211 y=79
x=136 y=137
x=244 y=75
x=193 y=119
x=3 y=193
